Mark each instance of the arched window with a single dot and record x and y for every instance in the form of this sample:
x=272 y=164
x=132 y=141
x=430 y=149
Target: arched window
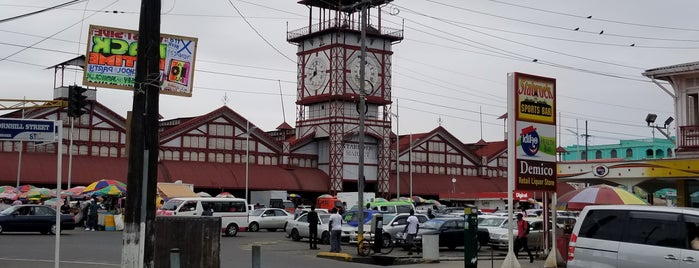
x=613 y=153
x=669 y=152
x=629 y=153
x=598 y=154
x=649 y=153
x=659 y=153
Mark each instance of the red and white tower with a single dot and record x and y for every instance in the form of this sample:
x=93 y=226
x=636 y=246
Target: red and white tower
x=328 y=90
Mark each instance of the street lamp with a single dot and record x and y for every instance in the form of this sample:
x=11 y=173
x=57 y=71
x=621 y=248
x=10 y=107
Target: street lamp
x=650 y=120
x=453 y=185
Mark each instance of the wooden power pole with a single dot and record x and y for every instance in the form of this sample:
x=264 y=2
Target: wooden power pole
x=139 y=235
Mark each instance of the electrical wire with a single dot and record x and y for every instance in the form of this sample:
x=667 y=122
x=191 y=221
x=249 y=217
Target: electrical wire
x=595 y=18
x=258 y=33
x=41 y=11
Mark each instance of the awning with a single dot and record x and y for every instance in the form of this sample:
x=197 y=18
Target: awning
x=171 y=190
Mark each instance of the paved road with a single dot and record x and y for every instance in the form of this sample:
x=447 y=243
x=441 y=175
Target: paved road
x=85 y=249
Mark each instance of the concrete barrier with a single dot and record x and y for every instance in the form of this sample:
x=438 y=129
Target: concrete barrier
x=430 y=247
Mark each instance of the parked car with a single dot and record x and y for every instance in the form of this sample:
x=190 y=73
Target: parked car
x=634 y=236
x=298 y=228
x=450 y=231
x=268 y=218
x=394 y=224
x=499 y=235
x=33 y=218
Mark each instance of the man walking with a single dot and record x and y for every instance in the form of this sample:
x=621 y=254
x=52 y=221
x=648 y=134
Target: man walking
x=521 y=240
x=313 y=227
x=411 y=231
x=335 y=227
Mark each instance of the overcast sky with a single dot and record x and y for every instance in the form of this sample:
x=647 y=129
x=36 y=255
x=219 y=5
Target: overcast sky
x=452 y=63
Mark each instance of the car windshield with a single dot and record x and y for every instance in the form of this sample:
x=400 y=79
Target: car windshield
x=257 y=212
x=432 y=224
x=491 y=221
x=171 y=205
x=387 y=218
x=8 y=211
x=324 y=217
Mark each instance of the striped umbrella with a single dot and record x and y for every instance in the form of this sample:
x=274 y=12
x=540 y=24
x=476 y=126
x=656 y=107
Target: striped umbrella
x=98 y=185
x=74 y=192
x=113 y=190
x=7 y=188
x=9 y=195
x=225 y=194
x=36 y=193
x=26 y=187
x=598 y=195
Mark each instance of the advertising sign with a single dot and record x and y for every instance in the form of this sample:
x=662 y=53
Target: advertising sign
x=28 y=130
x=111 y=60
x=535 y=132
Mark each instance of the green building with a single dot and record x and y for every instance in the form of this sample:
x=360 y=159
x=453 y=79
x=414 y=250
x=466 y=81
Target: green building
x=652 y=148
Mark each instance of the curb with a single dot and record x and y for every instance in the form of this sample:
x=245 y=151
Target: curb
x=335 y=255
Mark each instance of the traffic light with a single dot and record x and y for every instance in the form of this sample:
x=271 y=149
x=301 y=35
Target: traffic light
x=76 y=101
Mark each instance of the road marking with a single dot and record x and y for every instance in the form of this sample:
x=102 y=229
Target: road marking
x=51 y=261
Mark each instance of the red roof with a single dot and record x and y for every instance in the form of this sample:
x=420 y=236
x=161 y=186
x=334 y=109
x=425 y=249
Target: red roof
x=492 y=148
x=40 y=169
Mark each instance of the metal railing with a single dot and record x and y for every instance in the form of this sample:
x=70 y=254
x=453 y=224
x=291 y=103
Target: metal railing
x=344 y=25
x=689 y=137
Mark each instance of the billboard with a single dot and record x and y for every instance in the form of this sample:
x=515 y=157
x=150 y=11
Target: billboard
x=535 y=132
x=111 y=60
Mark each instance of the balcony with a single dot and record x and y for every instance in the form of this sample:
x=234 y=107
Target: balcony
x=689 y=138
x=343 y=25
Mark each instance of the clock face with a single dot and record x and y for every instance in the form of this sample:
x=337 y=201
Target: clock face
x=371 y=73
x=316 y=71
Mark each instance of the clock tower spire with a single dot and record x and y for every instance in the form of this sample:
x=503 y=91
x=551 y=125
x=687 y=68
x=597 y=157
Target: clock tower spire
x=328 y=90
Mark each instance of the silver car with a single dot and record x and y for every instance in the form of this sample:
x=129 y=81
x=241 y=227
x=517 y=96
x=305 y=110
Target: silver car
x=268 y=218
x=394 y=224
x=298 y=228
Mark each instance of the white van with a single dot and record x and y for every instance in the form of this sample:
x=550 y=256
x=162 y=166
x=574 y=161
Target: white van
x=233 y=211
x=633 y=236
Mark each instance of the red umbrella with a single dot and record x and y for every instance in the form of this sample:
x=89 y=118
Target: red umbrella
x=26 y=188
x=598 y=195
x=225 y=194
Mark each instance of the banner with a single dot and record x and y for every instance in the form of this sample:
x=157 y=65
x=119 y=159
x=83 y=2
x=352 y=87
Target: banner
x=111 y=60
x=535 y=132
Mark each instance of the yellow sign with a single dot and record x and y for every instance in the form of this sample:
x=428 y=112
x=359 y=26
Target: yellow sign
x=535 y=98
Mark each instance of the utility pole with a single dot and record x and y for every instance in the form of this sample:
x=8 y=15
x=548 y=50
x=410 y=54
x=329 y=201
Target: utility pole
x=139 y=236
x=362 y=117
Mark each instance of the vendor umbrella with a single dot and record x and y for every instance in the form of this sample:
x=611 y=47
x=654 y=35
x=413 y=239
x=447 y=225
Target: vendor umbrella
x=52 y=202
x=294 y=196
x=9 y=195
x=103 y=184
x=6 y=188
x=598 y=195
x=325 y=196
x=113 y=190
x=36 y=193
x=26 y=187
x=76 y=191
x=203 y=194
x=417 y=199
x=225 y=194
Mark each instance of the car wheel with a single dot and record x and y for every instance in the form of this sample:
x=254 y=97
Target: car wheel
x=295 y=235
x=271 y=230
x=325 y=238
x=232 y=229
x=254 y=227
x=52 y=230
x=0 y=229
x=386 y=237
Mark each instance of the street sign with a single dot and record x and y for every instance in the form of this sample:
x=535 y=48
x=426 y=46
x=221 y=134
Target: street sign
x=36 y=130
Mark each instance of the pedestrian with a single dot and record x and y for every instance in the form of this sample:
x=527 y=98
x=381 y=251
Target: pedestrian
x=410 y=231
x=65 y=207
x=522 y=234
x=335 y=228
x=430 y=214
x=92 y=215
x=313 y=227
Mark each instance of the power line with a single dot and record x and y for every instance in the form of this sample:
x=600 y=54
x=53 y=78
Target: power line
x=595 y=18
x=258 y=33
x=41 y=11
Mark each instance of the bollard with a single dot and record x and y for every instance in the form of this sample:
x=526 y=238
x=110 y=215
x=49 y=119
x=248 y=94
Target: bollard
x=255 y=256
x=174 y=258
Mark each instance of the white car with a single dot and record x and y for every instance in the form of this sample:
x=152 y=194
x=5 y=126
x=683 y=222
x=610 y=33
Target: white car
x=298 y=228
x=268 y=218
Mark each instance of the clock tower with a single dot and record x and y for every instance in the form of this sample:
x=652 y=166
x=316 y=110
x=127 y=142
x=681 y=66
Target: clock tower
x=328 y=90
